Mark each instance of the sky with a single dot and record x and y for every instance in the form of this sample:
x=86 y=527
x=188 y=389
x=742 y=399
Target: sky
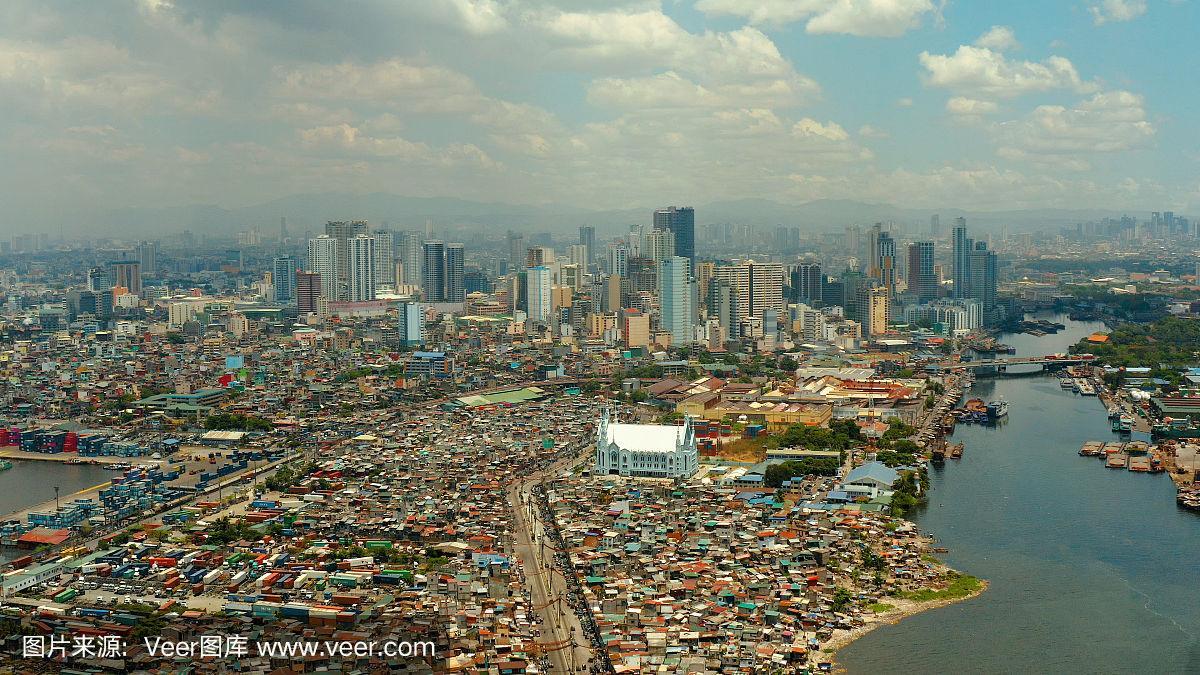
x=601 y=104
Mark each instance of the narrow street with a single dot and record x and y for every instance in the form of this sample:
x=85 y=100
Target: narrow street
x=548 y=590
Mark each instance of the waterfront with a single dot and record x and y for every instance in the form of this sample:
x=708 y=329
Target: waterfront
x=30 y=483
x=1090 y=570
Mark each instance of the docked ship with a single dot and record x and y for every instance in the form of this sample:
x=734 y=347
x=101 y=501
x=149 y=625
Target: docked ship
x=1122 y=424
x=997 y=409
x=1168 y=430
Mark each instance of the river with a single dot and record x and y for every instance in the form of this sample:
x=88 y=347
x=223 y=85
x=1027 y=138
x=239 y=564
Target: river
x=1091 y=570
x=30 y=483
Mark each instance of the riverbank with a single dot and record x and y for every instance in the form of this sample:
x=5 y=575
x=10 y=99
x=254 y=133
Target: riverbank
x=899 y=609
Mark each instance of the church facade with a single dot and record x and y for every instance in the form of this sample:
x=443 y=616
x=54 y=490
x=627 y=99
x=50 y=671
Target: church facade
x=646 y=450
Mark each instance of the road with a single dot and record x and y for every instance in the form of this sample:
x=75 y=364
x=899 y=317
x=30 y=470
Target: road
x=542 y=577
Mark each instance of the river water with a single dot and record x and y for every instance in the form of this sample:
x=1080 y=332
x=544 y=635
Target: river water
x=30 y=483
x=1092 y=570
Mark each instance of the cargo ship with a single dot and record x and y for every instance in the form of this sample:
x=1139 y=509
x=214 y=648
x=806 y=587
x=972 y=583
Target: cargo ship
x=1174 y=431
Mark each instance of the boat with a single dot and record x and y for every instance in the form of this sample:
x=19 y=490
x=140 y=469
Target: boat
x=1174 y=431
x=1122 y=424
x=1092 y=449
x=5 y=465
x=956 y=451
x=997 y=409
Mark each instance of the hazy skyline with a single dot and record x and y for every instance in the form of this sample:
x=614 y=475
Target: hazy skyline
x=608 y=105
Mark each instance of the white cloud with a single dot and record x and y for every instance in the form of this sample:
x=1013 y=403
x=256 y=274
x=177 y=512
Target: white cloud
x=999 y=38
x=413 y=86
x=1054 y=135
x=969 y=107
x=904 y=102
x=987 y=73
x=351 y=141
x=1107 y=11
x=869 y=131
x=868 y=18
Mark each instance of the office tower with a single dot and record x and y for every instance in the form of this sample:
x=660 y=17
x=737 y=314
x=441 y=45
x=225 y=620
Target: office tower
x=983 y=279
x=681 y=223
x=874 y=309
x=412 y=324
x=704 y=275
x=675 y=299
x=935 y=226
x=385 y=253
x=147 y=253
x=322 y=259
x=539 y=256
x=410 y=254
x=283 y=232
x=99 y=280
x=806 y=283
x=871 y=260
x=537 y=292
x=433 y=266
x=127 y=274
x=283 y=272
x=618 y=259
x=962 y=259
x=516 y=250
x=361 y=282
x=587 y=239
x=580 y=256
x=643 y=275
x=922 y=280
x=308 y=290
x=341 y=232
x=455 y=261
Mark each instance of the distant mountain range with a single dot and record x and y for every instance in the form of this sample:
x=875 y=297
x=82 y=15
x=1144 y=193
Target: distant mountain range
x=308 y=212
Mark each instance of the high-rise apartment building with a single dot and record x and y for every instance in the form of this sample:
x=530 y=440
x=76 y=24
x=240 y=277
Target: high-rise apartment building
x=147 y=253
x=341 y=232
x=385 y=254
x=362 y=272
x=962 y=259
x=410 y=255
x=874 y=309
x=455 y=268
x=323 y=259
x=537 y=291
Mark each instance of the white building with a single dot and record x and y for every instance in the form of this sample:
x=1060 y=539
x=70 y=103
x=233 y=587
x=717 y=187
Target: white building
x=322 y=259
x=362 y=273
x=646 y=450
x=537 y=289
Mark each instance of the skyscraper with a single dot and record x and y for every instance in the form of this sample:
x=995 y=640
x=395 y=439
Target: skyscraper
x=983 y=279
x=433 y=267
x=886 y=262
x=341 y=232
x=283 y=272
x=935 y=226
x=962 y=259
x=806 y=283
x=362 y=272
x=308 y=290
x=147 y=253
x=127 y=274
x=681 y=223
x=516 y=250
x=455 y=261
x=411 y=325
x=922 y=281
x=409 y=252
x=322 y=259
x=587 y=237
x=676 y=299
x=874 y=309
x=99 y=279
x=537 y=290
x=385 y=253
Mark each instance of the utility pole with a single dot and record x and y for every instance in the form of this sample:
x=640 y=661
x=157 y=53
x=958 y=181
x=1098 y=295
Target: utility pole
x=56 y=506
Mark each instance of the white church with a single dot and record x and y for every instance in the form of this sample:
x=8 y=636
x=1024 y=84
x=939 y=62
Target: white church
x=646 y=450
